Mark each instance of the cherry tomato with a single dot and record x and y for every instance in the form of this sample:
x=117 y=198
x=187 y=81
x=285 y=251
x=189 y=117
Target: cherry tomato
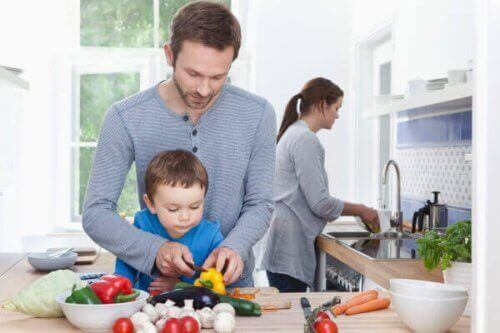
x=322 y=315
x=190 y=325
x=325 y=326
x=123 y=325
x=173 y=325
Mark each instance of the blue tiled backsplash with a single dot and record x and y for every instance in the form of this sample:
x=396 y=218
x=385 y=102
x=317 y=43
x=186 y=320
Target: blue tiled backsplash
x=431 y=153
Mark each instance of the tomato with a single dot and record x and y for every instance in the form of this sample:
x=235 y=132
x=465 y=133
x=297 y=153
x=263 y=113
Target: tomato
x=190 y=325
x=322 y=315
x=154 y=292
x=325 y=326
x=173 y=325
x=123 y=325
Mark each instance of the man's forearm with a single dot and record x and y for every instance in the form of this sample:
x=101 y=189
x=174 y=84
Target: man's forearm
x=136 y=247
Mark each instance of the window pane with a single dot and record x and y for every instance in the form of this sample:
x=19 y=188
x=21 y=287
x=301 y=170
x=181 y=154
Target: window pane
x=167 y=10
x=97 y=93
x=128 y=202
x=116 y=23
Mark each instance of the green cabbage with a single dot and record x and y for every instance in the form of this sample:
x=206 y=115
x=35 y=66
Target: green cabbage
x=38 y=299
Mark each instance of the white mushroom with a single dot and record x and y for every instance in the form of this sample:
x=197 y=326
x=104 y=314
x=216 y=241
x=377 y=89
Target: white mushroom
x=224 y=307
x=188 y=304
x=147 y=328
x=206 y=317
x=151 y=312
x=161 y=309
x=138 y=319
x=173 y=312
x=224 y=322
x=160 y=323
x=169 y=303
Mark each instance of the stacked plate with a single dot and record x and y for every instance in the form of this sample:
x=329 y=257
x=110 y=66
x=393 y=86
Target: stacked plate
x=43 y=262
x=384 y=99
x=436 y=84
x=428 y=306
x=13 y=70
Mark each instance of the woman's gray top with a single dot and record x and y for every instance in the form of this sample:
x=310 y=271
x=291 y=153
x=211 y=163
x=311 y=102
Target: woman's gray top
x=303 y=204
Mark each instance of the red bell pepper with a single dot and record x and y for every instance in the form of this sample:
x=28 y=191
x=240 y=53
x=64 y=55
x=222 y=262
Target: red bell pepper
x=120 y=282
x=109 y=293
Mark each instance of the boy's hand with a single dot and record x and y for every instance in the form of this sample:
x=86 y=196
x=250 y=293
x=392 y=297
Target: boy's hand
x=162 y=284
x=225 y=257
x=171 y=260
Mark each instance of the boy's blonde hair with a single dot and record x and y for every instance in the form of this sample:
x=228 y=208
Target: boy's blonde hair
x=175 y=167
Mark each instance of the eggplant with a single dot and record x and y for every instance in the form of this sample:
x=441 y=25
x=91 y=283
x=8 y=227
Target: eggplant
x=201 y=297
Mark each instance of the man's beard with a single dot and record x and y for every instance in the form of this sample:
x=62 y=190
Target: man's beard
x=188 y=97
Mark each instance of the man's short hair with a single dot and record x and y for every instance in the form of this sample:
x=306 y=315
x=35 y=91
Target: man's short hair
x=211 y=24
x=175 y=168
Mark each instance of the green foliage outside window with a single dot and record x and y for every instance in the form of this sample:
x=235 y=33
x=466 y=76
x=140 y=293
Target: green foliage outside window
x=97 y=93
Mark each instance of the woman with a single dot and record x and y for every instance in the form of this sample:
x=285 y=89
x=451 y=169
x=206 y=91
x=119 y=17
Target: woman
x=303 y=204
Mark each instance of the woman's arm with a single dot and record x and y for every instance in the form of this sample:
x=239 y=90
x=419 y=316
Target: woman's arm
x=367 y=214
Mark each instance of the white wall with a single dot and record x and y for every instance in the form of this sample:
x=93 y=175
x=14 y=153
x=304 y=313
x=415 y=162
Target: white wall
x=486 y=163
x=295 y=41
x=31 y=33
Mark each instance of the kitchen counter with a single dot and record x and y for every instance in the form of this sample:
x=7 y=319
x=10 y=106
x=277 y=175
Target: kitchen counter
x=21 y=274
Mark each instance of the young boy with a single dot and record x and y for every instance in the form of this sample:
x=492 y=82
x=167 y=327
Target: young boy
x=176 y=184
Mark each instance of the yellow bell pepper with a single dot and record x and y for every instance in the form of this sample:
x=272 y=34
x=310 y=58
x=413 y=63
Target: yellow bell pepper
x=213 y=280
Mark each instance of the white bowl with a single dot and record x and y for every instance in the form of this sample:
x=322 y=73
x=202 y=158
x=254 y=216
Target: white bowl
x=427 y=289
x=43 y=262
x=99 y=317
x=428 y=315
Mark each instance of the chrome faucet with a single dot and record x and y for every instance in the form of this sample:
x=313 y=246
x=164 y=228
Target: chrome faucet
x=396 y=216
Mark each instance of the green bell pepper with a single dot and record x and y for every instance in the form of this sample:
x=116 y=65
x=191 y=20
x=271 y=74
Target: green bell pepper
x=84 y=295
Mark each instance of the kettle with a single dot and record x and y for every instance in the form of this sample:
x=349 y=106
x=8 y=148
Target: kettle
x=433 y=215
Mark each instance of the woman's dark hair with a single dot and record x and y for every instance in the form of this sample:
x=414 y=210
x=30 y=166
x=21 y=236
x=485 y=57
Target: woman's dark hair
x=315 y=92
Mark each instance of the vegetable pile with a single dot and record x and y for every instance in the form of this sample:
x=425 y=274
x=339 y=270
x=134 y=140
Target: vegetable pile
x=440 y=251
x=365 y=301
x=108 y=290
x=187 y=309
x=38 y=299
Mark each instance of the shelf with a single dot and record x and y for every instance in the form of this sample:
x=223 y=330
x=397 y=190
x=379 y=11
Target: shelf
x=452 y=98
x=5 y=75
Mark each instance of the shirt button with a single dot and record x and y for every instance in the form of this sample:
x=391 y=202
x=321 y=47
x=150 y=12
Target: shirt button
x=195 y=149
x=185 y=117
x=194 y=132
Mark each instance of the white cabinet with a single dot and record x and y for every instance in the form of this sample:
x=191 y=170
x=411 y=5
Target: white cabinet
x=12 y=108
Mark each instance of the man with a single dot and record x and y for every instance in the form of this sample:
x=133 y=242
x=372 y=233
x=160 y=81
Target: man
x=230 y=130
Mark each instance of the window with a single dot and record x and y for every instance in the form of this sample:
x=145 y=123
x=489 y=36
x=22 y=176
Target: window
x=97 y=93
x=121 y=43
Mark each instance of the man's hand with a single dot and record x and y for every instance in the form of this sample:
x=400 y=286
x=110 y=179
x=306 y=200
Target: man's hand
x=370 y=216
x=225 y=257
x=171 y=260
x=162 y=284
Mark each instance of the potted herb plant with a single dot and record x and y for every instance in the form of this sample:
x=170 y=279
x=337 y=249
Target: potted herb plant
x=452 y=252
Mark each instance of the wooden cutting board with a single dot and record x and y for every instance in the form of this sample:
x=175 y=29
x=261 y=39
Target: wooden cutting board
x=267 y=297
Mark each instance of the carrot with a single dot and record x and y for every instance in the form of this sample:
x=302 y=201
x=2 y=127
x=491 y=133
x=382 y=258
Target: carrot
x=377 y=304
x=358 y=300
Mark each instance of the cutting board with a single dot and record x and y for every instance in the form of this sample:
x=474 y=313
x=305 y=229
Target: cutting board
x=267 y=297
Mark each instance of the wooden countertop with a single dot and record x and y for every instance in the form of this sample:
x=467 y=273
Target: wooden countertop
x=21 y=274
x=380 y=271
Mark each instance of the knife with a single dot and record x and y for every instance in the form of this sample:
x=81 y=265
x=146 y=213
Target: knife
x=197 y=269
x=308 y=314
